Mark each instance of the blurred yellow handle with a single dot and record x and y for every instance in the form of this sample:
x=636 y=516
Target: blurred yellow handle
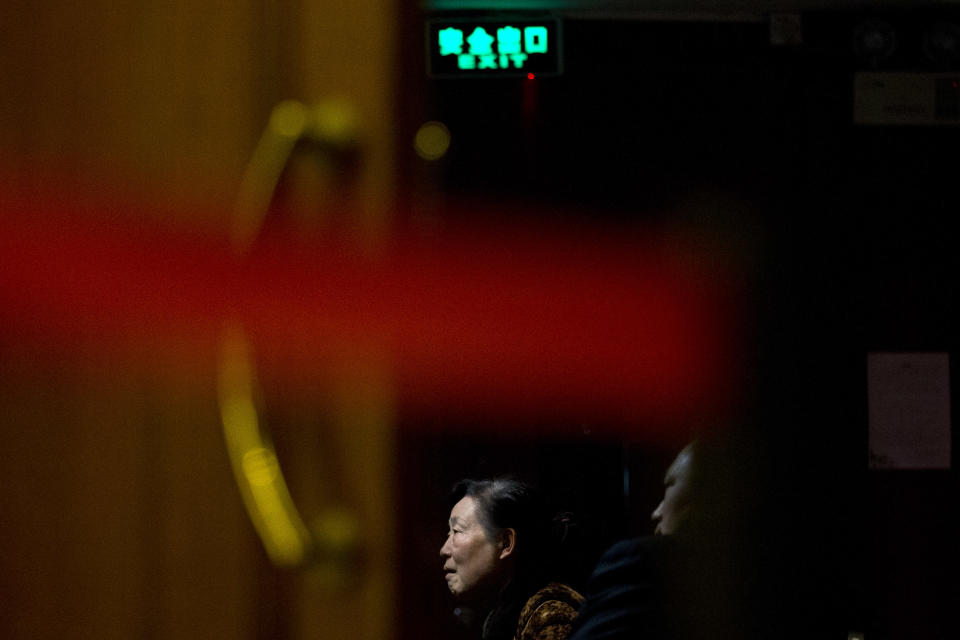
x=287 y=539
x=255 y=465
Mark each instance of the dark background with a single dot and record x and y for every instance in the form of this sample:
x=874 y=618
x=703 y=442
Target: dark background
x=844 y=248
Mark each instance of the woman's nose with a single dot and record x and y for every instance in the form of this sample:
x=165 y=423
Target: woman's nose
x=658 y=512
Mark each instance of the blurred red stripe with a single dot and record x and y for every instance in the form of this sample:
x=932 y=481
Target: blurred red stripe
x=483 y=319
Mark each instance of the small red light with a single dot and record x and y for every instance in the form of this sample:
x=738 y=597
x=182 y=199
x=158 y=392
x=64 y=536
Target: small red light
x=530 y=76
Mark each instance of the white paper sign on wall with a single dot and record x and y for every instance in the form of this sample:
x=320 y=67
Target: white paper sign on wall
x=908 y=398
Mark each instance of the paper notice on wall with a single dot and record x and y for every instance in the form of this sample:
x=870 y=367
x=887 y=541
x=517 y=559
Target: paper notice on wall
x=909 y=410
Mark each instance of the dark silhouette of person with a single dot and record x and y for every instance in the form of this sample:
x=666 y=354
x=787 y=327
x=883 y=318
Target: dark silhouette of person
x=640 y=587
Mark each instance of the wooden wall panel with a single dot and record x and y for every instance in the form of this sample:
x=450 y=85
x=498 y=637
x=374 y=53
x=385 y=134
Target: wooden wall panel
x=158 y=100
x=120 y=518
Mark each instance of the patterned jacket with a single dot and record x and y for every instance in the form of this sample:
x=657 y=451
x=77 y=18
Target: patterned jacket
x=549 y=613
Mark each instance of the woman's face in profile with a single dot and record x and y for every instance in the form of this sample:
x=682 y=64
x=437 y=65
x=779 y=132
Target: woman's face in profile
x=470 y=559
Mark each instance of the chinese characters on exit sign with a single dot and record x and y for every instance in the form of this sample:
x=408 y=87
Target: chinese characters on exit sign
x=493 y=48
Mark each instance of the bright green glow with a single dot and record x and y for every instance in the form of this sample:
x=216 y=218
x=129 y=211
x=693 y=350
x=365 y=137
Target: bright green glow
x=535 y=39
x=491 y=46
x=451 y=41
x=481 y=42
x=518 y=59
x=508 y=40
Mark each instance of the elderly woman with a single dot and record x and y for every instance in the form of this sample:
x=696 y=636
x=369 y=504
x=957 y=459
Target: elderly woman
x=496 y=559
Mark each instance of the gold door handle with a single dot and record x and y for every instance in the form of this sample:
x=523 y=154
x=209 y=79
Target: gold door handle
x=288 y=541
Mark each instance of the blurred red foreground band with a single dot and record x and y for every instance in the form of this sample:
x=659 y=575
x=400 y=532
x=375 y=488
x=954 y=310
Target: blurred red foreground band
x=521 y=320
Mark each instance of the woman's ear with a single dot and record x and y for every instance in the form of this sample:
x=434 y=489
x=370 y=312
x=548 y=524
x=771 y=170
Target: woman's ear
x=508 y=543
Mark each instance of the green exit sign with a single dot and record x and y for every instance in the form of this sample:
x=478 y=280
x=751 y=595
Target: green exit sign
x=493 y=48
